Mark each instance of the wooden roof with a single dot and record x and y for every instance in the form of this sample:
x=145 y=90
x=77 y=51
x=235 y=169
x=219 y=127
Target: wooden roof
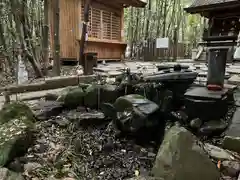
x=123 y=3
x=199 y=6
x=197 y=3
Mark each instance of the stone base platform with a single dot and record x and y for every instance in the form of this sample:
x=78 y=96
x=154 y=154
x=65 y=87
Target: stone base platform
x=207 y=105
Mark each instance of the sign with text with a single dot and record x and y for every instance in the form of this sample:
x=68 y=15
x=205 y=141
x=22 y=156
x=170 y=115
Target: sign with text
x=162 y=43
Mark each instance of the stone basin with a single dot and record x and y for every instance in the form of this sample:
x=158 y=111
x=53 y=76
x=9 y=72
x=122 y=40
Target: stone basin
x=176 y=81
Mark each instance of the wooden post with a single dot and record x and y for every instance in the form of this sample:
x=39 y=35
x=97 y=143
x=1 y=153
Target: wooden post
x=7 y=97
x=175 y=42
x=45 y=37
x=56 y=59
x=83 y=36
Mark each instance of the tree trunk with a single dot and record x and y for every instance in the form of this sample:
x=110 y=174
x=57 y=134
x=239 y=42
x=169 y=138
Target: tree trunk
x=148 y=20
x=23 y=34
x=164 y=18
x=45 y=37
x=83 y=36
x=159 y=17
x=56 y=22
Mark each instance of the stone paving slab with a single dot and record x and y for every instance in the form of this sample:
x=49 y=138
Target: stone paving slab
x=234 y=128
x=235 y=79
x=232 y=139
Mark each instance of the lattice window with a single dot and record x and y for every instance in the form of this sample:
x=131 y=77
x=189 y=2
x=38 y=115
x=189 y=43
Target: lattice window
x=103 y=24
x=96 y=23
x=107 y=21
x=116 y=27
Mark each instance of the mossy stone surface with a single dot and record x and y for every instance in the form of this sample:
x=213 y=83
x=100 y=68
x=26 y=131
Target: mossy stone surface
x=17 y=124
x=97 y=94
x=16 y=110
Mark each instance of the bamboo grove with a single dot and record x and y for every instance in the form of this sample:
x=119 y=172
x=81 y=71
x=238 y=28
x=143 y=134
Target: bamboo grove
x=158 y=19
x=24 y=28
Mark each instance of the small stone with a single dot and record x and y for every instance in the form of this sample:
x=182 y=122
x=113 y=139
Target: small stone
x=3 y=173
x=227 y=178
x=123 y=151
x=31 y=166
x=231 y=168
x=150 y=154
x=62 y=122
x=215 y=127
x=196 y=123
x=217 y=153
x=51 y=97
x=16 y=166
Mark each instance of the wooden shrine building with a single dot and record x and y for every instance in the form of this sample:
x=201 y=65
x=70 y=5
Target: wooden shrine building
x=223 y=22
x=105 y=28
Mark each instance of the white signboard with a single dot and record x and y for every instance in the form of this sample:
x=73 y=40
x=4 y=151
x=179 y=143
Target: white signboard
x=162 y=43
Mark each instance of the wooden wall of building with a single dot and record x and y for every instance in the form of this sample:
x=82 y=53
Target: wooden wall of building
x=68 y=27
x=107 y=42
x=112 y=51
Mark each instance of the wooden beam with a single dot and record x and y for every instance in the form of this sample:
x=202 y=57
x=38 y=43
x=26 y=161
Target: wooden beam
x=49 y=83
x=83 y=36
x=110 y=4
x=212 y=7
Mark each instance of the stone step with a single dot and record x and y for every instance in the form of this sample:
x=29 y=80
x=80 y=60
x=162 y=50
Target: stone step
x=235 y=79
x=232 y=139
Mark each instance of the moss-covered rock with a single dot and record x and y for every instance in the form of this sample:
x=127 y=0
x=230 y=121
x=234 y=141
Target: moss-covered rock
x=16 y=110
x=129 y=101
x=98 y=94
x=63 y=93
x=135 y=112
x=72 y=97
x=17 y=124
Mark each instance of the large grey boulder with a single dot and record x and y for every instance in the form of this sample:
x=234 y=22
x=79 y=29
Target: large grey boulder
x=181 y=158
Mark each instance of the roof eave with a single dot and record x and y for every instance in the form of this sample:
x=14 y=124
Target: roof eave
x=136 y=3
x=211 y=7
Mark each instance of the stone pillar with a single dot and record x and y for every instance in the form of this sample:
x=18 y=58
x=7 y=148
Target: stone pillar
x=216 y=66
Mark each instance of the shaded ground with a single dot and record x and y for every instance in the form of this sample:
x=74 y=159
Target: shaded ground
x=66 y=150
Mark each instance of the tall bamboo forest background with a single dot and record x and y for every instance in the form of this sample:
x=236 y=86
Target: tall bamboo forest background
x=159 y=19
x=24 y=29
